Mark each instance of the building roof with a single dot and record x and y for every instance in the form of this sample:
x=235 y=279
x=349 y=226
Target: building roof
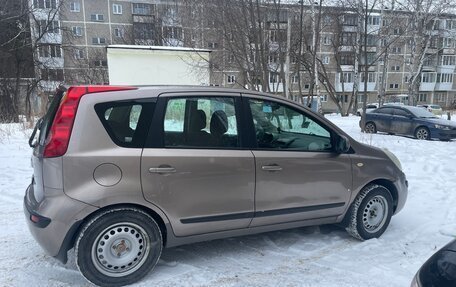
x=159 y=48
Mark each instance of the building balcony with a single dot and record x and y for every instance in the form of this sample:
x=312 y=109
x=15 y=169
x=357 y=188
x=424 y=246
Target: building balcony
x=446 y=69
x=427 y=87
x=51 y=62
x=348 y=28
x=444 y=86
x=51 y=38
x=143 y=19
x=49 y=86
x=449 y=51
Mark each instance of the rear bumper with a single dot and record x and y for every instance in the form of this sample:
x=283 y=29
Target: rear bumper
x=54 y=219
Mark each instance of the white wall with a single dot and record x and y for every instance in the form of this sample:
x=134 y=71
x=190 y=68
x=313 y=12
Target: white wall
x=146 y=66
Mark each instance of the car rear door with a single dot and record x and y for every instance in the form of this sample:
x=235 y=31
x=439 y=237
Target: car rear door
x=298 y=174
x=194 y=166
x=382 y=118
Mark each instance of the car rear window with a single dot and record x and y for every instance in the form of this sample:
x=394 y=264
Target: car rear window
x=126 y=123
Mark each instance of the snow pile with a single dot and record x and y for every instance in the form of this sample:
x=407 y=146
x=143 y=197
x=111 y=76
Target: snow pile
x=312 y=256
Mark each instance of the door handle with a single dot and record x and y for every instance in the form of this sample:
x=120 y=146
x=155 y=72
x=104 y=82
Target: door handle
x=272 y=167
x=160 y=170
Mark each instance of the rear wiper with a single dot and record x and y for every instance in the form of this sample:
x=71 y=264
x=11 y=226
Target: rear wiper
x=32 y=143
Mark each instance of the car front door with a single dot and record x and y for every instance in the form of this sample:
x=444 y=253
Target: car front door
x=194 y=167
x=382 y=118
x=298 y=174
x=402 y=122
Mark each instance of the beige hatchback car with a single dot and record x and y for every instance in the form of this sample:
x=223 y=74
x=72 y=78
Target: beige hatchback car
x=122 y=172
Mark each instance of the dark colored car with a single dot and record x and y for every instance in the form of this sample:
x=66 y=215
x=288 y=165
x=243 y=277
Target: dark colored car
x=439 y=270
x=410 y=121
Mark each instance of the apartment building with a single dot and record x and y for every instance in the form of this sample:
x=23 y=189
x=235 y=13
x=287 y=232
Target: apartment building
x=74 y=47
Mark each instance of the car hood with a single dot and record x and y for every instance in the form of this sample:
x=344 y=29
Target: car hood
x=439 y=121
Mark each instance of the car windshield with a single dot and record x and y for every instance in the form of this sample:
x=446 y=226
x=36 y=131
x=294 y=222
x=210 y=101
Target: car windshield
x=420 y=112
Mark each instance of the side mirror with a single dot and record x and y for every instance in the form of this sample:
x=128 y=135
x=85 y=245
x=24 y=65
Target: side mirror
x=342 y=144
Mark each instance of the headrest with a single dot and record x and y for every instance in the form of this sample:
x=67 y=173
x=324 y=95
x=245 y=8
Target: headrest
x=219 y=123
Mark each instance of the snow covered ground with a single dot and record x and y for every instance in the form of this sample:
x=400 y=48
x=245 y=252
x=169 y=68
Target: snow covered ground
x=313 y=256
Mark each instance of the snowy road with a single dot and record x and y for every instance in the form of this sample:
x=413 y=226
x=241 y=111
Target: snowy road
x=313 y=256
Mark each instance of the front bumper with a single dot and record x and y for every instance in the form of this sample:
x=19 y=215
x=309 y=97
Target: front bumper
x=402 y=192
x=443 y=134
x=53 y=219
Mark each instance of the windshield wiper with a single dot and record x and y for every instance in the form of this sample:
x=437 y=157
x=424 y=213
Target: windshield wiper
x=32 y=143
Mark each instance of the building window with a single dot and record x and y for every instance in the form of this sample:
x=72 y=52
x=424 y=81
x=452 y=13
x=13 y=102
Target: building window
x=447 y=43
x=370 y=77
x=45 y=4
x=52 y=75
x=77 y=31
x=440 y=97
x=444 y=78
x=326 y=20
x=396 y=50
x=231 y=79
x=428 y=77
x=348 y=39
x=50 y=51
x=100 y=63
x=75 y=7
x=295 y=78
x=394 y=86
x=450 y=24
x=350 y=20
x=142 y=9
x=324 y=98
x=230 y=58
x=172 y=32
x=45 y=26
x=395 y=68
x=97 y=17
x=98 y=41
x=346 y=77
x=422 y=97
x=397 y=31
x=448 y=60
x=273 y=78
x=325 y=60
x=371 y=40
x=79 y=54
x=306 y=86
x=117 y=9
x=118 y=32
x=212 y=45
x=326 y=40
x=347 y=59
x=373 y=20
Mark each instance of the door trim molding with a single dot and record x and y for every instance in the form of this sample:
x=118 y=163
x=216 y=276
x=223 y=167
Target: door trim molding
x=273 y=212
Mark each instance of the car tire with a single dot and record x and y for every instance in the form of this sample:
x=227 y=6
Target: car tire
x=370 y=128
x=118 y=247
x=422 y=133
x=370 y=213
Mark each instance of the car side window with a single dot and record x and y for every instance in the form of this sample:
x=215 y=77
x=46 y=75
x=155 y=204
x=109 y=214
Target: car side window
x=206 y=122
x=385 y=111
x=121 y=121
x=400 y=112
x=280 y=127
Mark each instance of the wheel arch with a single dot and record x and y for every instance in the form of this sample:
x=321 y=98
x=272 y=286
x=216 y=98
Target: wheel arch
x=391 y=188
x=422 y=126
x=73 y=232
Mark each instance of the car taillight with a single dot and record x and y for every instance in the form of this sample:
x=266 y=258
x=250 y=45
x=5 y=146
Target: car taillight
x=59 y=134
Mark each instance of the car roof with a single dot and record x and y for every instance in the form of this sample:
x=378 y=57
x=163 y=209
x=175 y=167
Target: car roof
x=190 y=88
